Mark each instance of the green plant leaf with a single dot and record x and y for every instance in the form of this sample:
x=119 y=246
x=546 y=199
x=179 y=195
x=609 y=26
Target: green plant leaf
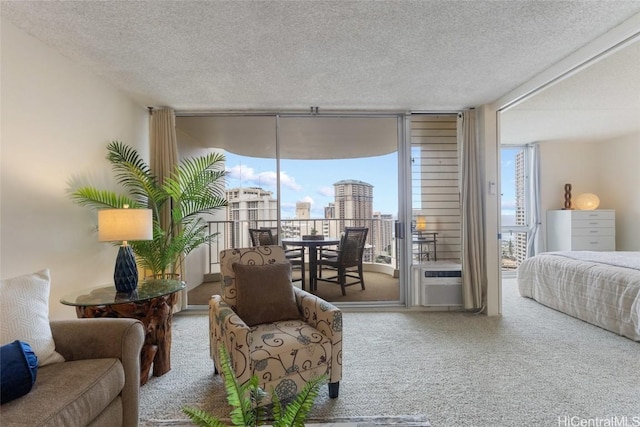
x=298 y=409
x=202 y=418
x=101 y=199
x=237 y=396
x=194 y=188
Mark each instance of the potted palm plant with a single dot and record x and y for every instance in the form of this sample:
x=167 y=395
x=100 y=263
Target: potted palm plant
x=195 y=187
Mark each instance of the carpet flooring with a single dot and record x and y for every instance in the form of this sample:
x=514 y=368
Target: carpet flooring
x=532 y=366
x=378 y=287
x=393 y=421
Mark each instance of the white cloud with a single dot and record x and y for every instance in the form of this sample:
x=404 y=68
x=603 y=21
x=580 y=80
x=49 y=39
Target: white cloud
x=326 y=191
x=242 y=172
x=308 y=199
x=248 y=175
x=289 y=181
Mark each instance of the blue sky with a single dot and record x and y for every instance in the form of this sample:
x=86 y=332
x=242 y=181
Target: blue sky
x=508 y=185
x=312 y=180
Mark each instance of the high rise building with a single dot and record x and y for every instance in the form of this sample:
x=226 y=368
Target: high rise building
x=353 y=203
x=354 y=208
x=382 y=238
x=303 y=210
x=248 y=208
x=520 y=241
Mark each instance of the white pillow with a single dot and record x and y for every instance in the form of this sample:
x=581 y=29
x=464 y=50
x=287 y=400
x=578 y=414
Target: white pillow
x=24 y=314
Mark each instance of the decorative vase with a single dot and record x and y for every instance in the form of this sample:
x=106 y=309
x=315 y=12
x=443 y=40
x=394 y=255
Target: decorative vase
x=567 y=197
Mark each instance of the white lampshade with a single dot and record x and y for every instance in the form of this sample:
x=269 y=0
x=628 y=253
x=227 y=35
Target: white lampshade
x=115 y=225
x=421 y=223
x=587 y=202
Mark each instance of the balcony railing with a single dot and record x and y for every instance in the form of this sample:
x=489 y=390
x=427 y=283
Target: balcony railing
x=380 y=246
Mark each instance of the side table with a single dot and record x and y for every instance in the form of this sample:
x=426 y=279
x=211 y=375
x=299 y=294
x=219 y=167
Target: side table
x=421 y=240
x=151 y=303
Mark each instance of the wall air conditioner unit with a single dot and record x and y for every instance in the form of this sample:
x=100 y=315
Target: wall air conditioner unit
x=441 y=285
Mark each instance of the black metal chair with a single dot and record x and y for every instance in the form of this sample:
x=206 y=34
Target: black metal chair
x=264 y=237
x=347 y=261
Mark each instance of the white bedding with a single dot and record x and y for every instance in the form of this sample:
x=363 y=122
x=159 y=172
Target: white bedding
x=602 y=288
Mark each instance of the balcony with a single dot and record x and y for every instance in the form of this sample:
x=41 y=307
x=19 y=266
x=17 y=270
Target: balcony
x=380 y=250
x=380 y=263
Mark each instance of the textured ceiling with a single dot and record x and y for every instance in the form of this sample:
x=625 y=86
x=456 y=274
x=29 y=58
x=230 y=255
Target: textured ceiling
x=599 y=103
x=290 y=55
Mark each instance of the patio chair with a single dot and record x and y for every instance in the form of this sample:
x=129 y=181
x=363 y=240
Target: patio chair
x=346 y=260
x=282 y=334
x=264 y=237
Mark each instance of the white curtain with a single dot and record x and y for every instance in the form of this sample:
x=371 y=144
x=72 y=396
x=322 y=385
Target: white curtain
x=535 y=241
x=474 y=277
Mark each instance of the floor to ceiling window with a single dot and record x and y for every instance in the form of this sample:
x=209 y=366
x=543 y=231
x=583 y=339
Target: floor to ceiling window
x=302 y=174
x=514 y=202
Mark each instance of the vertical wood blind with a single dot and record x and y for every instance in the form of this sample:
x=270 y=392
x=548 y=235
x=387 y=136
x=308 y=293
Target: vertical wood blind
x=435 y=176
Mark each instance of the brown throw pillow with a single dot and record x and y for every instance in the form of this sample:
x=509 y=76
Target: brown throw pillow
x=265 y=293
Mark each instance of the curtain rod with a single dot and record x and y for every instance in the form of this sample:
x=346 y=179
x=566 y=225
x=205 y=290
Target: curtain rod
x=315 y=112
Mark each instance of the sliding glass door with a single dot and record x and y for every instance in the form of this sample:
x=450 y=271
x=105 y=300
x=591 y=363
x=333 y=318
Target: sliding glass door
x=313 y=174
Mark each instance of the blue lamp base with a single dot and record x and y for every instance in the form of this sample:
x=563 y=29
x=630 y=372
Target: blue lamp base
x=125 y=276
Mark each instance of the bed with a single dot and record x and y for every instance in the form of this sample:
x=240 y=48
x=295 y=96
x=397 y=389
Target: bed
x=602 y=288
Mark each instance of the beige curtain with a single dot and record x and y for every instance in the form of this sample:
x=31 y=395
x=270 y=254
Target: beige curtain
x=163 y=145
x=474 y=276
x=164 y=150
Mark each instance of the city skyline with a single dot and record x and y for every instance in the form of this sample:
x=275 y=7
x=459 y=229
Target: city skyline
x=312 y=181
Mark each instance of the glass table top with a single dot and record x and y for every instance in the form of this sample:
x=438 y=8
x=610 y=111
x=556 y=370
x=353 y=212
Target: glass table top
x=107 y=295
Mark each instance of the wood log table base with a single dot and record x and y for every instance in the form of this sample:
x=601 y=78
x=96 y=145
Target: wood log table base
x=156 y=315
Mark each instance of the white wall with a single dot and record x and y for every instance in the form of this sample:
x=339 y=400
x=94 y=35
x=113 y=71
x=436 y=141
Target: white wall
x=620 y=162
x=56 y=120
x=610 y=169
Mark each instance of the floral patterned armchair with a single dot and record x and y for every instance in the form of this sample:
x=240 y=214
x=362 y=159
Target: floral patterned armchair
x=284 y=355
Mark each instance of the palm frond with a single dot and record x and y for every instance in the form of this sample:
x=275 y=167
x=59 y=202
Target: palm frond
x=134 y=174
x=196 y=186
x=298 y=409
x=202 y=418
x=101 y=199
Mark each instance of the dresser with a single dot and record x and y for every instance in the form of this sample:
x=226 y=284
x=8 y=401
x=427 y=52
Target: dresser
x=572 y=230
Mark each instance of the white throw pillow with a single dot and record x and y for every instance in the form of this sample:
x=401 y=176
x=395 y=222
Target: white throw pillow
x=24 y=314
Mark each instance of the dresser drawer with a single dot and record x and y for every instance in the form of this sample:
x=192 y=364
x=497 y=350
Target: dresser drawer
x=597 y=214
x=608 y=231
x=593 y=243
x=593 y=223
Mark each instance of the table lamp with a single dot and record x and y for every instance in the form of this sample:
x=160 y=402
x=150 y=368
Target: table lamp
x=421 y=224
x=587 y=202
x=121 y=225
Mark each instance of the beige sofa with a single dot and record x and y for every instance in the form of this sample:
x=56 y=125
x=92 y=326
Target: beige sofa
x=96 y=385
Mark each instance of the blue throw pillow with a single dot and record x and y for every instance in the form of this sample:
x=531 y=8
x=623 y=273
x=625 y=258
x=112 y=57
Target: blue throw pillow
x=18 y=368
